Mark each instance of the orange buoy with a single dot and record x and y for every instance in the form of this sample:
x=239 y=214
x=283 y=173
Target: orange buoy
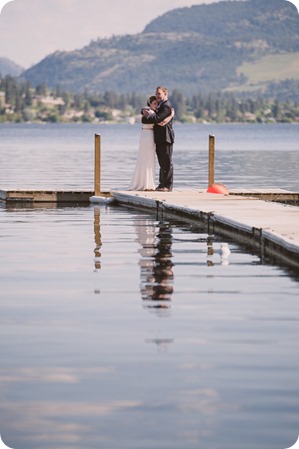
x=218 y=188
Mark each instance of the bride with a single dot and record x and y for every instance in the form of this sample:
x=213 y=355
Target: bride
x=144 y=173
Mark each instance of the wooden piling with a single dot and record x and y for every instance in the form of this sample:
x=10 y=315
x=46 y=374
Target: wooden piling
x=211 y=160
x=97 y=165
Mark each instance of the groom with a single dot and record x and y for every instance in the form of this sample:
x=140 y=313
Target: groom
x=164 y=139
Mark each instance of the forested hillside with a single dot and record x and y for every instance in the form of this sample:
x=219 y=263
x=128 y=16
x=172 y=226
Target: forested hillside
x=20 y=102
x=196 y=49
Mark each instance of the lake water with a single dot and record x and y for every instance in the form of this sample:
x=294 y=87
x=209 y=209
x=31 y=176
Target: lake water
x=120 y=331
x=62 y=156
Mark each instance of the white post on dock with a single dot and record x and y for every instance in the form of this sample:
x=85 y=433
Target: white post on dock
x=97 y=165
x=211 y=160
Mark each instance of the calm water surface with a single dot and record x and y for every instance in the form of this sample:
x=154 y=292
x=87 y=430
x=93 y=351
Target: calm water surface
x=61 y=156
x=120 y=331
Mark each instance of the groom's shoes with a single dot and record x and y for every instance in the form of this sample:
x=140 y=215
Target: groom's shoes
x=163 y=189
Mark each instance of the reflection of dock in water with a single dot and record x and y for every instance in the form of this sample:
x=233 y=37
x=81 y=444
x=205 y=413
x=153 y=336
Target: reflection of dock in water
x=98 y=243
x=97 y=238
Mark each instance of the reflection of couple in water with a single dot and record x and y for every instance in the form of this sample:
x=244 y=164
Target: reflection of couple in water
x=156 y=264
x=157 y=137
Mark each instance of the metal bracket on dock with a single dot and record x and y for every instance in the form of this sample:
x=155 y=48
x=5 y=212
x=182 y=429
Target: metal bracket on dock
x=159 y=210
x=209 y=218
x=257 y=234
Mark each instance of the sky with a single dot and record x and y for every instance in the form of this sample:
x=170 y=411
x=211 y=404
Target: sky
x=33 y=29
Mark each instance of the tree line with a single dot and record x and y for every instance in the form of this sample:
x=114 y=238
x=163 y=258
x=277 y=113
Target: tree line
x=21 y=102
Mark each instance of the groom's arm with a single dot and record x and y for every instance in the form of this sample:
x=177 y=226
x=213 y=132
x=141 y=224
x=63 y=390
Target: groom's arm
x=162 y=114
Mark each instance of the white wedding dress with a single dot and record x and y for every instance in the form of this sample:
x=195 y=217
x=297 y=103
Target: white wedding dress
x=144 y=173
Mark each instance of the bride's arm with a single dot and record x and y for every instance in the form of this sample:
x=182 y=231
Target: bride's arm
x=167 y=119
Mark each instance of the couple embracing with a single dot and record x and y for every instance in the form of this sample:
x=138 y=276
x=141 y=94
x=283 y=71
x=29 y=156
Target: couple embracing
x=157 y=137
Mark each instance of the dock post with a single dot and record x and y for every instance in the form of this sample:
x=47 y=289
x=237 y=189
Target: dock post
x=97 y=165
x=211 y=160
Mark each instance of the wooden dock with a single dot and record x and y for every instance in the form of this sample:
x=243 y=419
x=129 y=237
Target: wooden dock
x=12 y=196
x=276 y=195
x=252 y=216
x=271 y=227
x=79 y=196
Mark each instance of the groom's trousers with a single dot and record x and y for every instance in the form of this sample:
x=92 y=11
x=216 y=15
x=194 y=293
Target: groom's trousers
x=164 y=155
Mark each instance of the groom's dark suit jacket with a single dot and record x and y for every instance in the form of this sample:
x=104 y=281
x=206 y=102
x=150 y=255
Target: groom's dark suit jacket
x=162 y=134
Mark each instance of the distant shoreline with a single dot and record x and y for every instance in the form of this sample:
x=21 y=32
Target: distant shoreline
x=176 y=123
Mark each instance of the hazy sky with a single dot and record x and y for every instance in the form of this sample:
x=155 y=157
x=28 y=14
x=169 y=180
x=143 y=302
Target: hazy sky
x=32 y=29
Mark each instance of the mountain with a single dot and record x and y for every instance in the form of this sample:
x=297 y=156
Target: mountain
x=8 y=67
x=195 y=49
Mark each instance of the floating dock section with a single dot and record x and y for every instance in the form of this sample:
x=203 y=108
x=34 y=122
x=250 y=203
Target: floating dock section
x=270 y=226
x=12 y=196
